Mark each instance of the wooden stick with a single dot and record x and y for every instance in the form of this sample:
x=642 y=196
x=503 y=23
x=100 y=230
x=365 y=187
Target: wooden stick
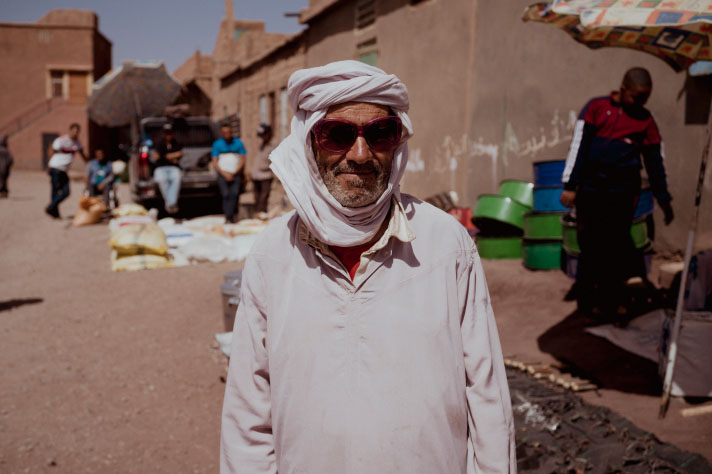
x=580 y=387
x=696 y=411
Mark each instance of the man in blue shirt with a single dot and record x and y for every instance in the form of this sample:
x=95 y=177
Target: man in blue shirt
x=229 y=161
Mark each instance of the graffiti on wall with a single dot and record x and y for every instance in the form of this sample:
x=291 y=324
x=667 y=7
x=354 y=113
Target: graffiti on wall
x=454 y=153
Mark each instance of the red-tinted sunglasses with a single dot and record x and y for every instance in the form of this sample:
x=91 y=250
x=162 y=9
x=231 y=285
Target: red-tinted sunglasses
x=338 y=135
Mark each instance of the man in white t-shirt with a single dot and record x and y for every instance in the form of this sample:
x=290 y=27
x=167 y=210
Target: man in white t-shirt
x=63 y=150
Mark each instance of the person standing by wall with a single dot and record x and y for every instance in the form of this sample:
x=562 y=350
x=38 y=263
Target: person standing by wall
x=62 y=153
x=261 y=174
x=228 y=155
x=5 y=165
x=166 y=171
x=602 y=180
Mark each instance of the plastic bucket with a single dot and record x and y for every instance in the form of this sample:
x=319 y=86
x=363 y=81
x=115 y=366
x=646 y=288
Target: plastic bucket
x=548 y=173
x=645 y=204
x=520 y=191
x=546 y=199
x=542 y=254
x=499 y=215
x=230 y=302
x=499 y=247
x=543 y=225
x=234 y=276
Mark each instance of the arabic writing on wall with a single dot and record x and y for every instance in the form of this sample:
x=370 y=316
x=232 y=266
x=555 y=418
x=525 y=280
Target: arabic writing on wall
x=453 y=153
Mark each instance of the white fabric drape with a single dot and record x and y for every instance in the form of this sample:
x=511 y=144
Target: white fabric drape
x=311 y=92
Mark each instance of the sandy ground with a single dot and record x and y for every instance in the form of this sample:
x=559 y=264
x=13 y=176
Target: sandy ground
x=116 y=372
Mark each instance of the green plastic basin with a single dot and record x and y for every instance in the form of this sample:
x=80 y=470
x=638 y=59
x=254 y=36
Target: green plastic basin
x=638 y=231
x=499 y=247
x=543 y=225
x=520 y=191
x=499 y=215
x=542 y=254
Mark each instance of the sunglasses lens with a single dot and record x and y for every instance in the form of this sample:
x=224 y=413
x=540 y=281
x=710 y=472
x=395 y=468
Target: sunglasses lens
x=336 y=136
x=383 y=135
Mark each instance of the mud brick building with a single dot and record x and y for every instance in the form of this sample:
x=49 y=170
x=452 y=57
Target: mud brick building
x=48 y=70
x=245 y=77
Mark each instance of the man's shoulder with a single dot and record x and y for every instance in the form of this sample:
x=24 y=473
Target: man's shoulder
x=428 y=223
x=598 y=102
x=278 y=236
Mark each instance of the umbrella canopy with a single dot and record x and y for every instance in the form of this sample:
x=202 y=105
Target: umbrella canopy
x=133 y=90
x=677 y=31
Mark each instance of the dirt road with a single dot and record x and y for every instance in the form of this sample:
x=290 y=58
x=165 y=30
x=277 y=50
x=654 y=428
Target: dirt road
x=114 y=372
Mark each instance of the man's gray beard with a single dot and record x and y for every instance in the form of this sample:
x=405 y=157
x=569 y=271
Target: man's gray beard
x=352 y=198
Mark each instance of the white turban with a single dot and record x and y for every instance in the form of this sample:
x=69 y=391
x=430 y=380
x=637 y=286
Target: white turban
x=311 y=92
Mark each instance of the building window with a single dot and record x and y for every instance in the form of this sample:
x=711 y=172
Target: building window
x=283 y=115
x=56 y=83
x=367 y=52
x=263 y=109
x=365 y=13
x=239 y=32
x=272 y=110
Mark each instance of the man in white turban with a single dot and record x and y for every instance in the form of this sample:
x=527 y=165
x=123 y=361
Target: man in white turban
x=364 y=342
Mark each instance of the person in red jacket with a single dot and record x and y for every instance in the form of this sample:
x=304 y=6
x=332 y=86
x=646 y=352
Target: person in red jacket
x=602 y=180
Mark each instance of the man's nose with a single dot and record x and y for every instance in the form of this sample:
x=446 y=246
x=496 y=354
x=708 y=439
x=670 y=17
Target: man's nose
x=359 y=151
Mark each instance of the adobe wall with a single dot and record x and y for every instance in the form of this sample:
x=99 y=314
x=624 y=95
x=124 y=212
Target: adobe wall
x=27 y=52
x=26 y=145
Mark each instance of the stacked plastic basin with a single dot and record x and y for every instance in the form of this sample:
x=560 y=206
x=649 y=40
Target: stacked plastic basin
x=543 y=233
x=500 y=219
x=639 y=232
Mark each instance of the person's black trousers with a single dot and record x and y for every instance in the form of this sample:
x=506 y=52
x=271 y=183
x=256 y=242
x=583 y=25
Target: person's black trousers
x=608 y=256
x=60 y=187
x=230 y=192
x=262 y=188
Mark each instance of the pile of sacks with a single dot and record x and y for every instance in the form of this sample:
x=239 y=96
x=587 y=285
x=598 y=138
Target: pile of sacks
x=138 y=243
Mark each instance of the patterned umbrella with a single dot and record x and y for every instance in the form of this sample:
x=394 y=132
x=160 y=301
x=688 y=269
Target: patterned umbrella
x=133 y=90
x=677 y=31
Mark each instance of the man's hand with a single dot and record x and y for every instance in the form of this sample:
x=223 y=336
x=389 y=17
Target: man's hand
x=667 y=210
x=228 y=176
x=567 y=198
x=175 y=156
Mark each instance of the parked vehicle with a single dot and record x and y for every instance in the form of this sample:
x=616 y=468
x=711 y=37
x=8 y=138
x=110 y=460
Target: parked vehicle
x=196 y=135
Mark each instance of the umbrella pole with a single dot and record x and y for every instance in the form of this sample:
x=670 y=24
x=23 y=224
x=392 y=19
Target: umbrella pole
x=672 y=352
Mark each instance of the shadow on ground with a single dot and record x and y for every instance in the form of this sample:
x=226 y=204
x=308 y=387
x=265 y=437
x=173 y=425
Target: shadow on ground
x=594 y=358
x=14 y=303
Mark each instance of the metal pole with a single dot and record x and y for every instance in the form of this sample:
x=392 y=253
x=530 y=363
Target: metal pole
x=672 y=353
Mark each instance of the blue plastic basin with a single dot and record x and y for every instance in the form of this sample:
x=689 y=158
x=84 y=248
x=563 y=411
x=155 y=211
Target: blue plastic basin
x=546 y=199
x=548 y=173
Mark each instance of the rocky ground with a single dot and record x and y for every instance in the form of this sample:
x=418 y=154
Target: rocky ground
x=118 y=372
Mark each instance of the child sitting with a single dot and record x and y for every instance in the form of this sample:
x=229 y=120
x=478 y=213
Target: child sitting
x=99 y=177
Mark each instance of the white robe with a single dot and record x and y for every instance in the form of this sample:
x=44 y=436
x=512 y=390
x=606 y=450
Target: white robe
x=400 y=371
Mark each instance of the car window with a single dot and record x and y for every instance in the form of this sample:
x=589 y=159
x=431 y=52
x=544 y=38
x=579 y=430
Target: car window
x=188 y=135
